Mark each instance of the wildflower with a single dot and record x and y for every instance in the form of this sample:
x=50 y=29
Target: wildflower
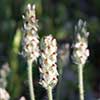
x=30 y=40
x=48 y=61
x=80 y=51
x=4 y=94
x=30 y=43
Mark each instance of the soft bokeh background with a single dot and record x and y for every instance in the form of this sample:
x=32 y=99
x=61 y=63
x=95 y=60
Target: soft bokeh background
x=57 y=17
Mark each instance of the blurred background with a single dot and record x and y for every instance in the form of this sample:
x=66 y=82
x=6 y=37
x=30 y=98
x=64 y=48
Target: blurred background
x=57 y=17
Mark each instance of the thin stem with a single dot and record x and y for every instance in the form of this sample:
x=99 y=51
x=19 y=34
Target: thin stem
x=49 y=90
x=81 y=87
x=30 y=81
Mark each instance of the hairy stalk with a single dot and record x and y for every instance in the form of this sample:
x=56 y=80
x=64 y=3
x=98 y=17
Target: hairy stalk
x=30 y=80
x=80 y=77
x=49 y=91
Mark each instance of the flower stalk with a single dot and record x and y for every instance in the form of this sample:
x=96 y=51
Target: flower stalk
x=48 y=69
x=80 y=53
x=30 y=43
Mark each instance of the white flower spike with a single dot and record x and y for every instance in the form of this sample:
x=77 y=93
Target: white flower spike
x=30 y=42
x=48 y=61
x=80 y=51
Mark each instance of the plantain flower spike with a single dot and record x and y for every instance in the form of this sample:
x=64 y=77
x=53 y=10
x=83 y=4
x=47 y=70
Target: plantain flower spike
x=48 y=69
x=30 y=42
x=4 y=95
x=80 y=51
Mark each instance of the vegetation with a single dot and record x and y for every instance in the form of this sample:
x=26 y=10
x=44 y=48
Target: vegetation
x=56 y=17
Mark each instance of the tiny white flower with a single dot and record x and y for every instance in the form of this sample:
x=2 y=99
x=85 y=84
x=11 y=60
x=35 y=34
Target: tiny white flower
x=81 y=45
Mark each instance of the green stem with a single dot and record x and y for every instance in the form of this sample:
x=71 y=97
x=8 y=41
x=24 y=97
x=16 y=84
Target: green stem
x=30 y=81
x=81 y=87
x=49 y=90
